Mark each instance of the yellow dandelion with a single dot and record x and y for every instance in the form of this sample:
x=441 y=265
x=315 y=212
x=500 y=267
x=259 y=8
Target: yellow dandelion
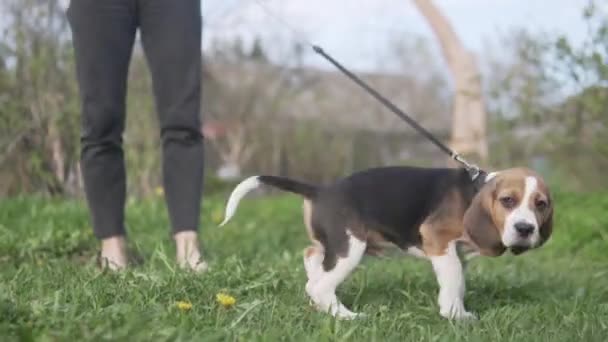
x=184 y=305
x=159 y=191
x=225 y=300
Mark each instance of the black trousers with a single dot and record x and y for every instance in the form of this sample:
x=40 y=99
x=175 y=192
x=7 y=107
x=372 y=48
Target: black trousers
x=103 y=34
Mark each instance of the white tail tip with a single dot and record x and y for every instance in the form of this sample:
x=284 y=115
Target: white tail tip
x=237 y=194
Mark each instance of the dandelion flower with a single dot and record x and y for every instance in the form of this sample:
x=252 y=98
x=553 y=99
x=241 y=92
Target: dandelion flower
x=225 y=300
x=159 y=191
x=184 y=305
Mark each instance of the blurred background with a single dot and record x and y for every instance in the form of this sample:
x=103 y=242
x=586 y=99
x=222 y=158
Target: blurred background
x=504 y=82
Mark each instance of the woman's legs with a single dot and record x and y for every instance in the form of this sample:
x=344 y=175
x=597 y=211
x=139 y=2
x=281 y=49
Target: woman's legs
x=171 y=37
x=103 y=34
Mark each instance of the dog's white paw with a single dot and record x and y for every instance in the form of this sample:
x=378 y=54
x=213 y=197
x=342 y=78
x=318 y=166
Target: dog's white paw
x=452 y=307
x=345 y=314
x=329 y=303
x=458 y=313
x=339 y=311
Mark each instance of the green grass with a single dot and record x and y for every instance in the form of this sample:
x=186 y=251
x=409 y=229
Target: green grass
x=51 y=290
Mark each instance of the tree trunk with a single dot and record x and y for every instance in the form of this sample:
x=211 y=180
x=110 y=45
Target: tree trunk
x=57 y=152
x=468 y=112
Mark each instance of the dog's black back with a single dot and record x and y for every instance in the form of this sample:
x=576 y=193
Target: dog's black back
x=392 y=200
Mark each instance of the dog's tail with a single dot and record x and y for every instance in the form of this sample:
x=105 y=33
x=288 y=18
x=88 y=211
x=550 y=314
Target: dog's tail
x=306 y=190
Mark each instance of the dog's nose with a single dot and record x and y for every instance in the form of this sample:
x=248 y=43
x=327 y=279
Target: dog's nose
x=524 y=229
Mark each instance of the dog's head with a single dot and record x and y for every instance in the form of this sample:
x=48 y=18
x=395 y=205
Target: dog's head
x=513 y=210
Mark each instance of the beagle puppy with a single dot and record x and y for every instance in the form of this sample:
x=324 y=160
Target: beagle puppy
x=438 y=214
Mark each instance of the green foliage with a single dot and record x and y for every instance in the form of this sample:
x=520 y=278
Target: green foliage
x=548 y=110
x=552 y=105
x=38 y=99
x=51 y=290
x=242 y=88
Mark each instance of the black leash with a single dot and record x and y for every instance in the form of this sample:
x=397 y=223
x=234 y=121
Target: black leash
x=474 y=170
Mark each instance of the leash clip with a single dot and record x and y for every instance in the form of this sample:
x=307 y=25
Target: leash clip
x=473 y=169
x=474 y=172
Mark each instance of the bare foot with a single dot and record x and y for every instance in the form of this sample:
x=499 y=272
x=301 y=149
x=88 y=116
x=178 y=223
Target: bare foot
x=188 y=252
x=114 y=253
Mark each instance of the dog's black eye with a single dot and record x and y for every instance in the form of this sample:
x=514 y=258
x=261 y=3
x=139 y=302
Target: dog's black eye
x=541 y=205
x=507 y=202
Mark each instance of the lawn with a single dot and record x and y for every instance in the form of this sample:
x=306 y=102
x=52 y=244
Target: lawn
x=51 y=290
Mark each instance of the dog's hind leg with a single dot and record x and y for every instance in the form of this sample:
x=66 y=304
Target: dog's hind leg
x=323 y=291
x=313 y=259
x=313 y=255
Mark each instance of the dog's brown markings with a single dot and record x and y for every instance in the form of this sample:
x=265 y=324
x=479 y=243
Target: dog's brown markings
x=543 y=216
x=376 y=243
x=307 y=215
x=546 y=216
x=316 y=247
x=512 y=182
x=309 y=251
x=483 y=219
x=443 y=225
x=479 y=221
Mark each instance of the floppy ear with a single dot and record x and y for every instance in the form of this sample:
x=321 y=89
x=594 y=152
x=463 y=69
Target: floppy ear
x=479 y=225
x=546 y=229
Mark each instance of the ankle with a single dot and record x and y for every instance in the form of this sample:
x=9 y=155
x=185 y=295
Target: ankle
x=114 y=252
x=188 y=253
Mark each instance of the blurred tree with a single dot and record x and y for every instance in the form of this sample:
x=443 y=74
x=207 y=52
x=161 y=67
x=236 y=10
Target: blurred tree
x=468 y=113
x=550 y=104
x=252 y=93
x=39 y=126
x=257 y=51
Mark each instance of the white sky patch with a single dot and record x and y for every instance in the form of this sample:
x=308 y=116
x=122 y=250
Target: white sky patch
x=359 y=32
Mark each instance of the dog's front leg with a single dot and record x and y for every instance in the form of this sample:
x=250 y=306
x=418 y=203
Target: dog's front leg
x=450 y=276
